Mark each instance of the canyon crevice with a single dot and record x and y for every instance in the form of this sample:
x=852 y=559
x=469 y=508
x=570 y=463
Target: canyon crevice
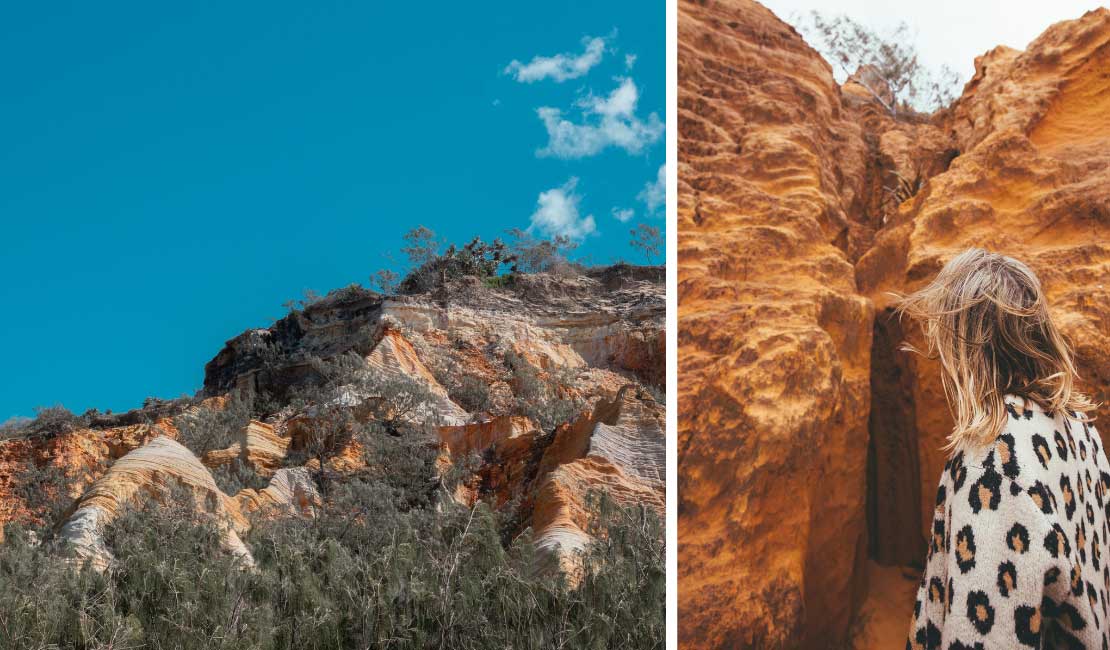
x=809 y=444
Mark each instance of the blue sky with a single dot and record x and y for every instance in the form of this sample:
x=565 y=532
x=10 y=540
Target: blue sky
x=173 y=173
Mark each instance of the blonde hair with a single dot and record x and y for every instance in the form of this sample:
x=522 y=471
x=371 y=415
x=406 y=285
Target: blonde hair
x=986 y=319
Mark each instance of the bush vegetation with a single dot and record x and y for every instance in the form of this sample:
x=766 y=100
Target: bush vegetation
x=389 y=578
x=42 y=489
x=891 y=58
x=540 y=400
x=647 y=240
x=543 y=255
x=476 y=258
x=207 y=429
x=432 y=263
x=49 y=421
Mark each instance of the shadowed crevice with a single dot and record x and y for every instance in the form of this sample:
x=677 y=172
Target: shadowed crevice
x=893 y=467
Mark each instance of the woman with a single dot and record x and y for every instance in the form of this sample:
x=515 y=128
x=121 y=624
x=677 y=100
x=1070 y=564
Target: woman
x=1018 y=555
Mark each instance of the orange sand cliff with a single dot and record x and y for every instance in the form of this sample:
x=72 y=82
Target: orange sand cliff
x=807 y=443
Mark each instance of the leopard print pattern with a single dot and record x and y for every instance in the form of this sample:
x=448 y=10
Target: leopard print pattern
x=1018 y=555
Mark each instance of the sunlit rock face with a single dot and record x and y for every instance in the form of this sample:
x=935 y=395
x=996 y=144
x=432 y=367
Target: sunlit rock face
x=774 y=337
x=81 y=455
x=582 y=354
x=258 y=446
x=807 y=441
x=291 y=491
x=394 y=357
x=620 y=448
x=152 y=471
x=595 y=338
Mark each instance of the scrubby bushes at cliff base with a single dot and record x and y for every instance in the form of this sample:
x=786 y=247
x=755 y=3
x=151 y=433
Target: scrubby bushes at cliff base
x=389 y=560
x=394 y=580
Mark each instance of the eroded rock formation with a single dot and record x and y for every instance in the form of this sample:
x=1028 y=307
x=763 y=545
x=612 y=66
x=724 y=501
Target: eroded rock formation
x=619 y=448
x=774 y=336
x=81 y=456
x=581 y=355
x=153 y=471
x=258 y=446
x=807 y=441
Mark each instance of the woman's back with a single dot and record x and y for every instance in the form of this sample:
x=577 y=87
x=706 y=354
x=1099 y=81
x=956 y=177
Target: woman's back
x=1020 y=541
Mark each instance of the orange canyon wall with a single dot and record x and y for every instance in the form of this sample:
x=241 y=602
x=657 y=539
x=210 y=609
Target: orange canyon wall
x=809 y=445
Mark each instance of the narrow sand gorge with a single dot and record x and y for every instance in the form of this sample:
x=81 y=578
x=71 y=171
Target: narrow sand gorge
x=809 y=446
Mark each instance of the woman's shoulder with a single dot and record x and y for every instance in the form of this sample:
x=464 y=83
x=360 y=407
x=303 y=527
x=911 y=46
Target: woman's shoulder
x=1035 y=445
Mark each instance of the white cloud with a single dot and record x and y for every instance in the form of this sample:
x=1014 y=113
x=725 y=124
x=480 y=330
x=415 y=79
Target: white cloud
x=623 y=215
x=619 y=103
x=654 y=193
x=629 y=61
x=557 y=213
x=561 y=66
x=606 y=121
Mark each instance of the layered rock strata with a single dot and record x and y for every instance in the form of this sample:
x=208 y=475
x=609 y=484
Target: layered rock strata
x=159 y=470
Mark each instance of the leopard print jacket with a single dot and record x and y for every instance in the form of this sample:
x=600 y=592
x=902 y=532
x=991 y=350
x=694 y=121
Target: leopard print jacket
x=1018 y=552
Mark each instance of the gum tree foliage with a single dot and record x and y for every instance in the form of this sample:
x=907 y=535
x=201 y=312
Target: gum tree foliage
x=432 y=262
x=308 y=298
x=206 y=429
x=647 y=240
x=540 y=400
x=536 y=255
x=432 y=269
x=385 y=281
x=850 y=45
x=421 y=246
x=49 y=421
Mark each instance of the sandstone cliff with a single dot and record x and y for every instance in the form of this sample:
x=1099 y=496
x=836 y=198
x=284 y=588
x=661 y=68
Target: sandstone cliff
x=807 y=442
x=774 y=336
x=542 y=392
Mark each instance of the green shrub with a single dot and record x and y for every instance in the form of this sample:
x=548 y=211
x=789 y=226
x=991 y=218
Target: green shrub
x=43 y=489
x=207 y=429
x=44 y=603
x=237 y=475
x=536 y=398
x=475 y=259
x=471 y=392
x=14 y=427
x=535 y=255
x=497 y=281
x=49 y=421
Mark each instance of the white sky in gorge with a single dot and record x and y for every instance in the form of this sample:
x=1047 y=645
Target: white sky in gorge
x=951 y=32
